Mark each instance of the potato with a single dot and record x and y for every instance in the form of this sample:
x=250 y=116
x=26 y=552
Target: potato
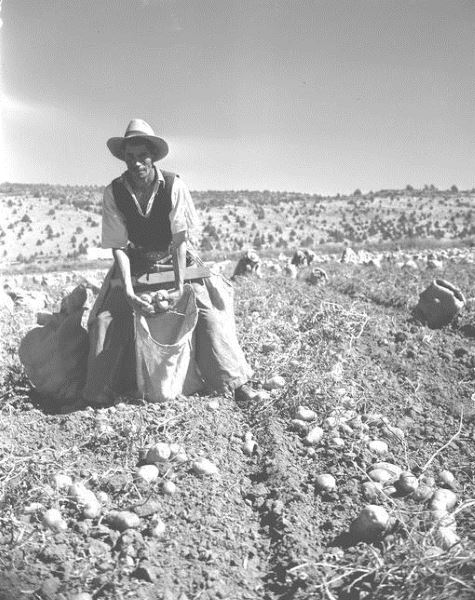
x=274 y=382
x=395 y=470
x=122 y=520
x=181 y=457
x=443 y=499
x=147 y=473
x=178 y=454
x=175 y=449
x=158 y=527
x=372 y=490
x=54 y=520
x=332 y=422
x=314 y=436
x=381 y=475
x=249 y=447
x=62 y=481
x=446 y=537
x=345 y=428
x=305 y=414
x=169 y=487
x=159 y=453
x=447 y=478
x=423 y=493
x=161 y=295
x=102 y=497
x=378 y=447
x=444 y=519
x=160 y=301
x=407 y=482
x=203 y=466
x=162 y=305
x=92 y=510
x=370 y=524
x=86 y=499
x=325 y=482
x=81 y=494
x=262 y=396
x=33 y=508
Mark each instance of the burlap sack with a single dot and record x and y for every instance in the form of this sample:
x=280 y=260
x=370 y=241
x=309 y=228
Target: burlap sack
x=55 y=356
x=439 y=303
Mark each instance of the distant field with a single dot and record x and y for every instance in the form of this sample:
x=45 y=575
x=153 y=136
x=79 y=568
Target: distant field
x=44 y=223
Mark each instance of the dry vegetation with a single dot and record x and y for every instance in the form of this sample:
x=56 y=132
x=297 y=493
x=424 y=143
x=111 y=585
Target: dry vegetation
x=48 y=222
x=261 y=529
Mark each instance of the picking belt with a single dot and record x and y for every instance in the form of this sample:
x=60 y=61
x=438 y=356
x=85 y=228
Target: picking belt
x=160 y=272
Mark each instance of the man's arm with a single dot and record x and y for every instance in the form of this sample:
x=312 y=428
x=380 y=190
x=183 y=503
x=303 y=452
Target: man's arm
x=179 y=259
x=123 y=263
x=183 y=217
x=115 y=236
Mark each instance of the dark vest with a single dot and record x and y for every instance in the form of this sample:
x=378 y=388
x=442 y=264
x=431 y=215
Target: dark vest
x=153 y=232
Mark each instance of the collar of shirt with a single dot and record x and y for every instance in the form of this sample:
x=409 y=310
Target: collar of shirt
x=159 y=180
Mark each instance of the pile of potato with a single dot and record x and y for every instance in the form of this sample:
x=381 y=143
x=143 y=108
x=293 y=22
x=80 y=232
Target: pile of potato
x=67 y=491
x=159 y=300
x=383 y=479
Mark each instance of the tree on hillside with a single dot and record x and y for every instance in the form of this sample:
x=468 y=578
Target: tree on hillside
x=257 y=242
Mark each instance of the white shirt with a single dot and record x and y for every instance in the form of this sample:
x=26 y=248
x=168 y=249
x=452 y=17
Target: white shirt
x=184 y=220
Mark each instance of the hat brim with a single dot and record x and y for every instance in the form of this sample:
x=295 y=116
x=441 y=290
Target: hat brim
x=117 y=145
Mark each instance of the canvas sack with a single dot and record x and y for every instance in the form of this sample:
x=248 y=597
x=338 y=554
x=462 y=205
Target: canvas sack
x=164 y=345
x=55 y=355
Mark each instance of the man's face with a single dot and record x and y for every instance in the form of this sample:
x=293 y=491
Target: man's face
x=139 y=162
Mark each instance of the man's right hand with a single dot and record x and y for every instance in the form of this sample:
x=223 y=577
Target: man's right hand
x=139 y=305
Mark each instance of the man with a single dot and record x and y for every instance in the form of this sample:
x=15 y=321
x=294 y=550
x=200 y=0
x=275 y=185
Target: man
x=249 y=264
x=149 y=218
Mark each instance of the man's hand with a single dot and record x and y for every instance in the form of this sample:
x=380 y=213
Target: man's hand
x=141 y=306
x=173 y=296
x=149 y=304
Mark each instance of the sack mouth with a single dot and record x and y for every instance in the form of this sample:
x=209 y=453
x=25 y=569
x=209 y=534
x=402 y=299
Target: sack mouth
x=182 y=318
x=448 y=286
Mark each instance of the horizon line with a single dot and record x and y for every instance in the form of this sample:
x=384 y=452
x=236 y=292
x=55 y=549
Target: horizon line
x=407 y=187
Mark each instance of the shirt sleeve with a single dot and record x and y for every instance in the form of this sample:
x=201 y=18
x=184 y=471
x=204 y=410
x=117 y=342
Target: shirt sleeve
x=114 y=230
x=183 y=216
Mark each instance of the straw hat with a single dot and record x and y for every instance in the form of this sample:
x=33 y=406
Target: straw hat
x=137 y=128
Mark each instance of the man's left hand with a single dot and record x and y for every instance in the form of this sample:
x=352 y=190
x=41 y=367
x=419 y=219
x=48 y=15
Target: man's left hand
x=173 y=296
x=167 y=300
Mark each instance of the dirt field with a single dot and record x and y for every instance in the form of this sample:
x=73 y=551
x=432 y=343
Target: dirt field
x=261 y=528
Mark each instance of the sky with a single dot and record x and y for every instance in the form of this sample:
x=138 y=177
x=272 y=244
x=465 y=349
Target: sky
x=294 y=95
